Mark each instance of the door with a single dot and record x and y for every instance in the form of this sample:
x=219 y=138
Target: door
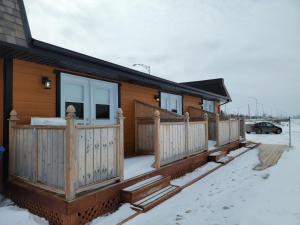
x=95 y=101
x=104 y=102
x=75 y=91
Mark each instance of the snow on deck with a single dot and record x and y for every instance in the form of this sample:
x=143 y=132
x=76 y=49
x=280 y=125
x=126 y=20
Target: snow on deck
x=138 y=165
x=181 y=181
x=211 y=145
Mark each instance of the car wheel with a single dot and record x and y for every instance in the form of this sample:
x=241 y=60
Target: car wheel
x=278 y=131
x=248 y=132
x=258 y=131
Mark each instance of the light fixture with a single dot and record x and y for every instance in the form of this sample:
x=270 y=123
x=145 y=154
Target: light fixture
x=46 y=82
x=156 y=97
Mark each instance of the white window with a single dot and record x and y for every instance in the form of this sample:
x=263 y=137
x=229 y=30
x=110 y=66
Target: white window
x=171 y=102
x=95 y=101
x=209 y=106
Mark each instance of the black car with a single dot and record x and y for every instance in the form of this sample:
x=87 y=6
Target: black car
x=263 y=128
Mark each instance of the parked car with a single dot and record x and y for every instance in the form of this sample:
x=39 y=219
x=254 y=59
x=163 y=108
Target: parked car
x=263 y=128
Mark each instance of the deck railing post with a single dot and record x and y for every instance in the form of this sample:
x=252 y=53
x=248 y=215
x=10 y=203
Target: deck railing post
x=157 y=138
x=229 y=130
x=120 y=121
x=70 y=155
x=206 y=130
x=187 y=130
x=12 y=142
x=217 y=130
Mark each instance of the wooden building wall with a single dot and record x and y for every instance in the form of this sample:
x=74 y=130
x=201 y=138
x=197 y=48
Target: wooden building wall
x=130 y=93
x=29 y=97
x=1 y=101
x=191 y=101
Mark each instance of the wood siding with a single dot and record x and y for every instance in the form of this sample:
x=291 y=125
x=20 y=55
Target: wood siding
x=1 y=101
x=191 y=101
x=130 y=93
x=29 y=97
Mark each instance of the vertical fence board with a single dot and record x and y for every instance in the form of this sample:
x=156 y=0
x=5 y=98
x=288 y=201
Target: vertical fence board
x=104 y=154
x=89 y=159
x=81 y=157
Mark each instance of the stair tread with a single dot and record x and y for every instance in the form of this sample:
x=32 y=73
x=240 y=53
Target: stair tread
x=143 y=183
x=155 y=196
x=225 y=159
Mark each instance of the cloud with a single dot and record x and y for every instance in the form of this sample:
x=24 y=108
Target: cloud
x=253 y=44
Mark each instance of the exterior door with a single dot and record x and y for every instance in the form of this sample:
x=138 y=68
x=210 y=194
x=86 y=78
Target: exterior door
x=104 y=102
x=75 y=91
x=95 y=101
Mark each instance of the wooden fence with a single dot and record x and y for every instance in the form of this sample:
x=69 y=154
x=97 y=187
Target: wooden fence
x=176 y=140
x=144 y=125
x=66 y=159
x=227 y=131
x=197 y=114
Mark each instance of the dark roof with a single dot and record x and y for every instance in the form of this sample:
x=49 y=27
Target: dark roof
x=216 y=86
x=47 y=54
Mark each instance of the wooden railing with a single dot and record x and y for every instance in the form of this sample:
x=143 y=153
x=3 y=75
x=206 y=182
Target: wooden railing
x=67 y=159
x=197 y=114
x=144 y=125
x=176 y=140
x=227 y=131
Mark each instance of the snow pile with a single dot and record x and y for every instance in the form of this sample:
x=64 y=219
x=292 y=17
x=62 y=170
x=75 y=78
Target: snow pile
x=13 y=215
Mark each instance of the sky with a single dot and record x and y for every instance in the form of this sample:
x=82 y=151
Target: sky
x=253 y=44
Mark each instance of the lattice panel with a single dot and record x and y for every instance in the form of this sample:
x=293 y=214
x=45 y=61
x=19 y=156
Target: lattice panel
x=101 y=208
x=36 y=208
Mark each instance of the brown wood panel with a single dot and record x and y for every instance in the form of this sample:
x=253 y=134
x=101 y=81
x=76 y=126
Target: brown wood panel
x=130 y=93
x=191 y=101
x=29 y=97
x=1 y=101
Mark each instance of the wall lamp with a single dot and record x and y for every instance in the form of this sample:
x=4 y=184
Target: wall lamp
x=156 y=97
x=46 y=83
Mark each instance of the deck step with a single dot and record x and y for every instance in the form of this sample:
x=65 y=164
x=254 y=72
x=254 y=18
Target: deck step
x=225 y=159
x=144 y=188
x=215 y=156
x=156 y=198
x=251 y=145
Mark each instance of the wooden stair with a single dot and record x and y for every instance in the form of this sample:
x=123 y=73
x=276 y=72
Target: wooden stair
x=148 y=193
x=156 y=198
x=215 y=156
x=225 y=159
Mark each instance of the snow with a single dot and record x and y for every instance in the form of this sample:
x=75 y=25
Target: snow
x=48 y=121
x=13 y=215
x=237 y=194
x=138 y=165
x=237 y=152
x=121 y=214
x=211 y=145
x=233 y=194
x=181 y=181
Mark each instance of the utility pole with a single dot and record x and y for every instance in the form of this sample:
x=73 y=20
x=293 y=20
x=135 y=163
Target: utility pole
x=256 y=103
x=290 y=133
x=249 y=112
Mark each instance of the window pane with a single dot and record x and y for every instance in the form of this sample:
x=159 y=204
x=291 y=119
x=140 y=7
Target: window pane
x=79 y=107
x=102 y=111
x=101 y=96
x=73 y=92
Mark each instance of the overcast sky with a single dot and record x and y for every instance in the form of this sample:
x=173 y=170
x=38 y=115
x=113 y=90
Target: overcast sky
x=253 y=44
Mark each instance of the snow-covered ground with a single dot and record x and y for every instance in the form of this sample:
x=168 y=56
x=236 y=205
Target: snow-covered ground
x=237 y=194
x=234 y=194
